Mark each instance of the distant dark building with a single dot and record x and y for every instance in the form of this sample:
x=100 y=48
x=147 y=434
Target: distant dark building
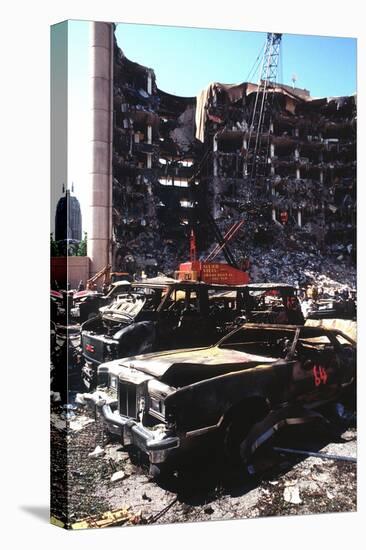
x=68 y=218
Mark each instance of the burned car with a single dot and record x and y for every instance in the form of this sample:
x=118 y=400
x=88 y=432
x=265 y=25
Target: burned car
x=166 y=315
x=234 y=395
x=275 y=303
x=86 y=303
x=332 y=308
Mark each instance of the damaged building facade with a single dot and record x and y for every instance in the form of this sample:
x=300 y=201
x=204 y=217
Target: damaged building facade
x=178 y=161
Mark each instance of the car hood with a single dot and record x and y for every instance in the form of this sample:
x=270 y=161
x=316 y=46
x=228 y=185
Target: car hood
x=123 y=308
x=157 y=364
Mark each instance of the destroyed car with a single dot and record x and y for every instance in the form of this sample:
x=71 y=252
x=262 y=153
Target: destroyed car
x=332 y=309
x=86 y=303
x=234 y=395
x=166 y=315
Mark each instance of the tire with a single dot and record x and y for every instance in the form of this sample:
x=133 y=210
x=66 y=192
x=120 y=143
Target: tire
x=160 y=472
x=241 y=419
x=235 y=433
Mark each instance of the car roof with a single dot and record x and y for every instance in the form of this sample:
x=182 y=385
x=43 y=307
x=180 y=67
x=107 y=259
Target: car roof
x=305 y=330
x=267 y=286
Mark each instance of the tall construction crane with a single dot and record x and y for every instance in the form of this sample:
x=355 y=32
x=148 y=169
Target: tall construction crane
x=256 y=161
x=258 y=141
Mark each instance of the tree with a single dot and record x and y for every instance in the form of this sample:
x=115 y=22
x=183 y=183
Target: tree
x=83 y=246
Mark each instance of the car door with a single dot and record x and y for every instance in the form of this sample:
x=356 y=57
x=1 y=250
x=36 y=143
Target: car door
x=317 y=366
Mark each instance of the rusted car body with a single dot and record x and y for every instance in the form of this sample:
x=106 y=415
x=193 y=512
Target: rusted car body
x=156 y=316
x=179 y=314
x=86 y=303
x=332 y=309
x=235 y=394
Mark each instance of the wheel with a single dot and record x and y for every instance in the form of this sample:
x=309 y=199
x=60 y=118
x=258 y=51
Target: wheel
x=160 y=472
x=241 y=420
x=235 y=433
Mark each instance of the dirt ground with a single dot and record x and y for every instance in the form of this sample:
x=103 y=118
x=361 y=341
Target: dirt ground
x=212 y=490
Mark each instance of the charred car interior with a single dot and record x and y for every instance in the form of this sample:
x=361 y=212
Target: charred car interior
x=158 y=316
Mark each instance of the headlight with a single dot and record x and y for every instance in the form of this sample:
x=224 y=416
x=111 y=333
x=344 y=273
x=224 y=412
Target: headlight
x=141 y=403
x=157 y=405
x=113 y=381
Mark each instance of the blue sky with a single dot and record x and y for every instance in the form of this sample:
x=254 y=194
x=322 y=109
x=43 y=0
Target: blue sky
x=185 y=60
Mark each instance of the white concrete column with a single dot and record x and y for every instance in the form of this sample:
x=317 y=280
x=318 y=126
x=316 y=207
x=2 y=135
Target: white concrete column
x=149 y=141
x=100 y=175
x=245 y=164
x=273 y=191
x=321 y=176
x=299 y=220
x=298 y=173
x=149 y=83
x=149 y=128
x=215 y=162
x=271 y=155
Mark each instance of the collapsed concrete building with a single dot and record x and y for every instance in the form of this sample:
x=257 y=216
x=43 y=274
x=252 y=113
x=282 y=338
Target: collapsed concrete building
x=178 y=160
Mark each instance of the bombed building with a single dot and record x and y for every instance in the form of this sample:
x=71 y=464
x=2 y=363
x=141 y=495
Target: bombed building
x=179 y=162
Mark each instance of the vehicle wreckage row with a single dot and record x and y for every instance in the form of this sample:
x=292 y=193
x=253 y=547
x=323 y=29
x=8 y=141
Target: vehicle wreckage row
x=181 y=366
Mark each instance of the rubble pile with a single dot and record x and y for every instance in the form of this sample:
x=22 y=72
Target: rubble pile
x=305 y=486
x=179 y=160
x=301 y=268
x=282 y=254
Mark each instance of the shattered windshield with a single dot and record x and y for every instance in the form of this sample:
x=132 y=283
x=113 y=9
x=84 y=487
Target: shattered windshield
x=257 y=341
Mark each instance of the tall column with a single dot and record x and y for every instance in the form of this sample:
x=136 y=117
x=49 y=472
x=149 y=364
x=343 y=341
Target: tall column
x=245 y=164
x=273 y=208
x=149 y=127
x=100 y=180
x=299 y=218
x=271 y=155
x=215 y=159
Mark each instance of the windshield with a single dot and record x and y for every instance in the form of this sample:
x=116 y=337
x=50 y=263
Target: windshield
x=257 y=341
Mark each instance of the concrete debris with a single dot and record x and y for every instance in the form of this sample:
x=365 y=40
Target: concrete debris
x=117 y=476
x=57 y=422
x=79 y=423
x=94 y=494
x=98 y=452
x=55 y=396
x=291 y=494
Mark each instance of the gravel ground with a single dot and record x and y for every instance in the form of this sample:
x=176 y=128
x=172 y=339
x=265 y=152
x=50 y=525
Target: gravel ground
x=213 y=490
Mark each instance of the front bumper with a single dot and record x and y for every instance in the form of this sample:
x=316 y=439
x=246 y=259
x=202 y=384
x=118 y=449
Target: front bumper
x=158 y=447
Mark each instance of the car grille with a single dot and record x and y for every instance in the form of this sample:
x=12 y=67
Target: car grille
x=127 y=399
